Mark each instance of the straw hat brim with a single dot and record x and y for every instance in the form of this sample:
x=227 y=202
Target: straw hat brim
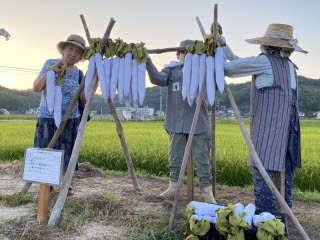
x=276 y=42
x=62 y=44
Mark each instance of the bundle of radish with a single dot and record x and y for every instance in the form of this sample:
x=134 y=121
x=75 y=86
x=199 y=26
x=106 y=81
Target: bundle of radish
x=127 y=71
x=140 y=54
x=93 y=54
x=54 y=94
x=193 y=71
x=204 y=57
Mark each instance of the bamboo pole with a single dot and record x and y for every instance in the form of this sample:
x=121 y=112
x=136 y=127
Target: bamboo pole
x=56 y=211
x=59 y=131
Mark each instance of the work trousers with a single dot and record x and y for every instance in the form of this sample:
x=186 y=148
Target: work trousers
x=200 y=148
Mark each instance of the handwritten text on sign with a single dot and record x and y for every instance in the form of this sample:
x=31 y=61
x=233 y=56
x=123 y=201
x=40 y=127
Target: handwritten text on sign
x=42 y=166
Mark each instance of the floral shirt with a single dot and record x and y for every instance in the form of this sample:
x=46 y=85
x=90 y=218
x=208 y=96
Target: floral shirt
x=69 y=87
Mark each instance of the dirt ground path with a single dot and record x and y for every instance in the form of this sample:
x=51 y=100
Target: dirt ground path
x=90 y=180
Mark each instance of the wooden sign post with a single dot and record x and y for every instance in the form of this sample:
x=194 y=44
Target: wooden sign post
x=43 y=166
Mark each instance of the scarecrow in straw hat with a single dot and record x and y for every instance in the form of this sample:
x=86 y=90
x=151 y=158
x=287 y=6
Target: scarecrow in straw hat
x=64 y=69
x=274 y=119
x=179 y=116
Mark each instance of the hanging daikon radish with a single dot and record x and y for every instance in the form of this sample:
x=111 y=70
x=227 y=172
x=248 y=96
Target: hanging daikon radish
x=114 y=76
x=90 y=74
x=194 y=83
x=141 y=82
x=121 y=79
x=134 y=81
x=127 y=74
x=186 y=75
x=57 y=105
x=202 y=70
x=101 y=74
x=211 y=92
x=219 y=68
x=107 y=69
x=50 y=90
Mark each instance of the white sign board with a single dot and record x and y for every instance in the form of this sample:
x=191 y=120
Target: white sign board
x=43 y=166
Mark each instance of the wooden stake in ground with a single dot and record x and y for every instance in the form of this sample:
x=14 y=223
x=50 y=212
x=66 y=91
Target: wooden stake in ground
x=43 y=203
x=56 y=212
x=213 y=110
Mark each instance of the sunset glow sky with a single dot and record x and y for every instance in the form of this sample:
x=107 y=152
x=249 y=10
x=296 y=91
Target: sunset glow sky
x=36 y=27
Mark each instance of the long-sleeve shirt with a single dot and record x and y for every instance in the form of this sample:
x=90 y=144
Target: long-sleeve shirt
x=179 y=114
x=259 y=66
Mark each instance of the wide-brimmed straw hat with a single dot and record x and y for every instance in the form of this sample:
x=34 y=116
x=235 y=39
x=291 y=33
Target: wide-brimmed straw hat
x=73 y=39
x=278 y=35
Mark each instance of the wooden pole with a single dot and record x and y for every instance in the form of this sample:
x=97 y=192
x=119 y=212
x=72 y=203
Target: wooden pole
x=124 y=146
x=173 y=49
x=115 y=115
x=186 y=153
x=56 y=212
x=43 y=203
x=190 y=177
x=213 y=112
x=258 y=164
x=63 y=123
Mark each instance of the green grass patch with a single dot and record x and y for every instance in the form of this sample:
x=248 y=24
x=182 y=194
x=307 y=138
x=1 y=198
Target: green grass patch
x=16 y=199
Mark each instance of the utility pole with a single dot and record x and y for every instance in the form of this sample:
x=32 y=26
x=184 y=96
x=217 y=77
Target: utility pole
x=160 y=115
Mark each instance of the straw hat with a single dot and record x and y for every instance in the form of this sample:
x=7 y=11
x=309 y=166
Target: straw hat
x=74 y=39
x=278 y=35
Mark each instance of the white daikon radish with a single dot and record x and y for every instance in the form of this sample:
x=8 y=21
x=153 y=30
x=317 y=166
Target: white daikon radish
x=57 y=105
x=101 y=74
x=50 y=90
x=219 y=68
x=194 y=83
x=202 y=70
x=211 y=91
x=186 y=75
x=107 y=69
x=127 y=74
x=141 y=82
x=114 y=76
x=89 y=77
x=134 y=81
x=121 y=80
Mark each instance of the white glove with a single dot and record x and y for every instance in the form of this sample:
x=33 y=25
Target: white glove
x=4 y=33
x=230 y=55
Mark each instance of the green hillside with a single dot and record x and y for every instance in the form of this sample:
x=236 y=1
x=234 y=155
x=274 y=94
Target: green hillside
x=16 y=101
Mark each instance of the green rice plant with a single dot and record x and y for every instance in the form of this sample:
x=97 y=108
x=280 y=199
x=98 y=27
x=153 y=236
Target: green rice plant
x=148 y=146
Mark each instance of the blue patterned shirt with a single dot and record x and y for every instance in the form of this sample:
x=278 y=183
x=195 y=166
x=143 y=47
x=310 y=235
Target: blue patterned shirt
x=69 y=87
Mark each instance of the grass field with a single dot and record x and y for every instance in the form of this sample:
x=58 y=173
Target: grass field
x=148 y=145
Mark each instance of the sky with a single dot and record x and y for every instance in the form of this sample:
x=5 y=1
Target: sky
x=36 y=26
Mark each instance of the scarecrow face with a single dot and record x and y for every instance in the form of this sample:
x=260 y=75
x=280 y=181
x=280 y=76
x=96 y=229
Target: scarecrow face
x=71 y=54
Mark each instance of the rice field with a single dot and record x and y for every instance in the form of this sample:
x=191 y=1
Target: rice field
x=148 y=146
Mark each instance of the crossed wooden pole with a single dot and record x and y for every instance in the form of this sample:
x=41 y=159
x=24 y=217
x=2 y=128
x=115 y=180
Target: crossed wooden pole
x=252 y=151
x=44 y=189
